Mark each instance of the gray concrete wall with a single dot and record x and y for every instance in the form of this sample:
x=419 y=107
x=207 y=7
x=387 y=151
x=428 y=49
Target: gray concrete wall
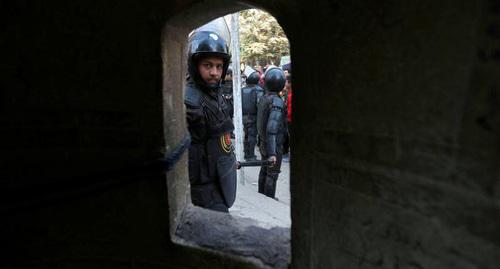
x=396 y=134
x=402 y=160
x=81 y=115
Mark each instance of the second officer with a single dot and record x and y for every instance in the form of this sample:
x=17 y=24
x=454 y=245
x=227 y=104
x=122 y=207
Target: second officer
x=271 y=129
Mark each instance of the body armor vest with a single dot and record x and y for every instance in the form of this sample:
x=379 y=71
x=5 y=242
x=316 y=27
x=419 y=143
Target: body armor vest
x=249 y=97
x=211 y=157
x=271 y=122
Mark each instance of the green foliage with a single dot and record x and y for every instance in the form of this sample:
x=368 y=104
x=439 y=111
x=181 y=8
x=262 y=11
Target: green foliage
x=261 y=38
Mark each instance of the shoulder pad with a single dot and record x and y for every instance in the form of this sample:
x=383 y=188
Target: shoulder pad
x=278 y=102
x=246 y=89
x=192 y=97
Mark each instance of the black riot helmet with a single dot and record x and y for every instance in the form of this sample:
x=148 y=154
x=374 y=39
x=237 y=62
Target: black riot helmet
x=274 y=79
x=253 y=78
x=203 y=44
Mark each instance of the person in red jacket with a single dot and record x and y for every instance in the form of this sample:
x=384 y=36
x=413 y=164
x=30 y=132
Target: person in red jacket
x=288 y=97
x=288 y=87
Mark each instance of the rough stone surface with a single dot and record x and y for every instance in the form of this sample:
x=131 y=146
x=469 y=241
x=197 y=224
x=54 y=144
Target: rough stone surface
x=266 y=211
x=235 y=235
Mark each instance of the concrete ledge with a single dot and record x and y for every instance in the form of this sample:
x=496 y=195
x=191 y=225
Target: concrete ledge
x=235 y=235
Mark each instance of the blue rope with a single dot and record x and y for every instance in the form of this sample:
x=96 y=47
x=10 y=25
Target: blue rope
x=62 y=191
x=175 y=155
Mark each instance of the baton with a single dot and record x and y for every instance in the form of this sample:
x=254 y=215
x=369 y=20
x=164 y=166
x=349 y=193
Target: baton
x=253 y=163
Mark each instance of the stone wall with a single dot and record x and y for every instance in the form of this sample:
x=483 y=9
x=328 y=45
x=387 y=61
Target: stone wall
x=401 y=113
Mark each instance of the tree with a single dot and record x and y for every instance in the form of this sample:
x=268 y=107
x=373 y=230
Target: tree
x=262 y=40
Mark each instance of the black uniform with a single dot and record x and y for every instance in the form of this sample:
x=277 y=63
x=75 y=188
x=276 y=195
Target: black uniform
x=212 y=169
x=227 y=93
x=211 y=157
x=271 y=129
x=250 y=96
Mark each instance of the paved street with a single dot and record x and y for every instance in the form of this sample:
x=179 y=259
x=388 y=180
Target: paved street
x=266 y=211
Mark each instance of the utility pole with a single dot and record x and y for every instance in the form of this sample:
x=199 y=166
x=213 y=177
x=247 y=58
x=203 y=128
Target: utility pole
x=238 y=120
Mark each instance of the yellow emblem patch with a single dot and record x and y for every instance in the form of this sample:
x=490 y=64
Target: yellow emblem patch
x=225 y=142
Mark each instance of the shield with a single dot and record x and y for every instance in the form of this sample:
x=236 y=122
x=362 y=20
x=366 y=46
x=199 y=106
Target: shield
x=218 y=26
x=226 y=169
x=222 y=165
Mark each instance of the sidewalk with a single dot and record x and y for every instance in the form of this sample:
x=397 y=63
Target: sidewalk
x=266 y=211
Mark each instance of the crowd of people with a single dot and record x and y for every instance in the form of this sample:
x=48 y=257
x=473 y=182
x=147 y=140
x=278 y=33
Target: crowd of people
x=266 y=107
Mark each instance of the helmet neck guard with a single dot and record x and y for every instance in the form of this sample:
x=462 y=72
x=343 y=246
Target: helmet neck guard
x=253 y=78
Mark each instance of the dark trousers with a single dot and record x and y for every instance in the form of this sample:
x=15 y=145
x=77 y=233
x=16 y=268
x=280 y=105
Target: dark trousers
x=208 y=196
x=250 y=140
x=268 y=175
x=286 y=143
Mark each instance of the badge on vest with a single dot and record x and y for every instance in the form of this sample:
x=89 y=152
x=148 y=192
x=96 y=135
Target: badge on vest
x=225 y=142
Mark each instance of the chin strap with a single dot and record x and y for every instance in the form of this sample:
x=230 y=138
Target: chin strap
x=213 y=86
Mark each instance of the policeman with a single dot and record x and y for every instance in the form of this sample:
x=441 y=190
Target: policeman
x=227 y=90
x=212 y=170
x=271 y=129
x=250 y=96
